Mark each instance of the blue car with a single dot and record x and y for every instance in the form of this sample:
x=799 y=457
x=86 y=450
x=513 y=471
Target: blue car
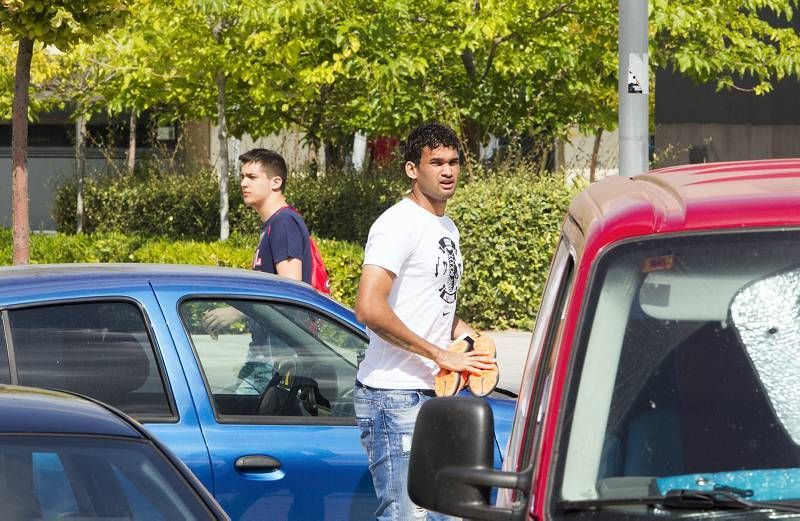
x=67 y=457
x=259 y=409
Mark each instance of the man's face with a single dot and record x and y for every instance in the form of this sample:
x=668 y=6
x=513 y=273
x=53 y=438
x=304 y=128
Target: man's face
x=256 y=184
x=437 y=173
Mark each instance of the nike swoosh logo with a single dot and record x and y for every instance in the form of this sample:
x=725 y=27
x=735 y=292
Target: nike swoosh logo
x=445 y=313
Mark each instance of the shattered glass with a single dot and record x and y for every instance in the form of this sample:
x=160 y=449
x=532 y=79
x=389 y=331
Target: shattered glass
x=766 y=316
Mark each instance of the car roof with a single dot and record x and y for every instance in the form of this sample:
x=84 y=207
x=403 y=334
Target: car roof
x=135 y=271
x=27 y=279
x=693 y=197
x=38 y=411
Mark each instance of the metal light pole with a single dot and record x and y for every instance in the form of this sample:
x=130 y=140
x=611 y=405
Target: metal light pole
x=633 y=88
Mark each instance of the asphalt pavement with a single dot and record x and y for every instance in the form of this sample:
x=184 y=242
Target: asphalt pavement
x=512 y=351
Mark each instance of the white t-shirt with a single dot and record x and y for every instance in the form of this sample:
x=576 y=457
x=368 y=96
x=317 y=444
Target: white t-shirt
x=422 y=250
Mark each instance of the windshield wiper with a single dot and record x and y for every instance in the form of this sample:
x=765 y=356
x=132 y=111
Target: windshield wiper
x=686 y=499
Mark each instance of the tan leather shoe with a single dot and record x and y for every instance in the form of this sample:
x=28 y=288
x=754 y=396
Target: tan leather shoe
x=448 y=383
x=484 y=384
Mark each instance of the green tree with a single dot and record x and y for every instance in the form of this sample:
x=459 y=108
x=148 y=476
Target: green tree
x=45 y=67
x=183 y=58
x=332 y=68
x=51 y=22
x=738 y=44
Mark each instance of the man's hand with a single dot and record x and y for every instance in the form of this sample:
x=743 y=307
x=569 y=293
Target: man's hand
x=473 y=362
x=214 y=320
x=478 y=366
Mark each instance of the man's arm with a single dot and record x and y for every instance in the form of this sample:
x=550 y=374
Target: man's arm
x=214 y=320
x=291 y=267
x=461 y=328
x=373 y=310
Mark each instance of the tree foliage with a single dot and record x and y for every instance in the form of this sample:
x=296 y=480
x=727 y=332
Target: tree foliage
x=741 y=44
x=59 y=23
x=333 y=67
x=381 y=67
x=45 y=68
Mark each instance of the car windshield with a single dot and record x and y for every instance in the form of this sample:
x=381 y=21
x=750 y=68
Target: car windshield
x=49 y=477
x=689 y=374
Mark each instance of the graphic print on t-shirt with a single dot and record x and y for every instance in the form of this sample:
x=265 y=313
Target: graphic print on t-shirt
x=256 y=257
x=448 y=270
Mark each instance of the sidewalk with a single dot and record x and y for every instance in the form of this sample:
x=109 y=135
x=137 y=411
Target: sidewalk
x=512 y=351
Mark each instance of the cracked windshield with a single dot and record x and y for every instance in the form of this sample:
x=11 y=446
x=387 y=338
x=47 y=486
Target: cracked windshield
x=690 y=371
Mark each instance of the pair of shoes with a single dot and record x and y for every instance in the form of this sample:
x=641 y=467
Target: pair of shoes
x=448 y=383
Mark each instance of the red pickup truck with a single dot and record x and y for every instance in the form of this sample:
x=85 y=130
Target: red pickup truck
x=663 y=378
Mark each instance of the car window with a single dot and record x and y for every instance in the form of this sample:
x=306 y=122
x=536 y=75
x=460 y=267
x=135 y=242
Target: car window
x=685 y=369
x=99 y=349
x=274 y=359
x=5 y=371
x=91 y=478
x=536 y=381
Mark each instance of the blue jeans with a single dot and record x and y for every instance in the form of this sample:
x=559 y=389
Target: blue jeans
x=386 y=419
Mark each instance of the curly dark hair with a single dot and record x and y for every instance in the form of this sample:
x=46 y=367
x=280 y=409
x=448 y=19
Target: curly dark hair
x=432 y=135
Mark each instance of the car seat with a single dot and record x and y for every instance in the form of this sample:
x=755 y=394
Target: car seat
x=105 y=365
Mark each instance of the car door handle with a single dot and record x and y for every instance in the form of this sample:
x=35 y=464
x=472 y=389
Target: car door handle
x=256 y=463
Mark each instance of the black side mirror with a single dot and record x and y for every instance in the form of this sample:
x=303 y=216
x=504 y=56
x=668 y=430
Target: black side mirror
x=451 y=466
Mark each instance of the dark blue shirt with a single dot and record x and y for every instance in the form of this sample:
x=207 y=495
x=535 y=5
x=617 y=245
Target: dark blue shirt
x=284 y=235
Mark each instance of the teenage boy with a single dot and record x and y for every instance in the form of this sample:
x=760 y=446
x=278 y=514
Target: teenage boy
x=284 y=246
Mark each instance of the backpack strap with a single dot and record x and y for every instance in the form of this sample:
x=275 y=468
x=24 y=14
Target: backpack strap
x=269 y=228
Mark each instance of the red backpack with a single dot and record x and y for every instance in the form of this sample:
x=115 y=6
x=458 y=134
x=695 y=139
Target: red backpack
x=319 y=275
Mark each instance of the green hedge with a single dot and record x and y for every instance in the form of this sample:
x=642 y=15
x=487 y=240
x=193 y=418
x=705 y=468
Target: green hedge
x=342 y=259
x=340 y=206
x=152 y=204
x=509 y=225
x=509 y=228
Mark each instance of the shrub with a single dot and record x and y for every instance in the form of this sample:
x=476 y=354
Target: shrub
x=6 y=246
x=107 y=247
x=509 y=227
x=345 y=205
x=509 y=224
x=341 y=206
x=342 y=259
x=166 y=251
x=150 y=204
x=343 y=262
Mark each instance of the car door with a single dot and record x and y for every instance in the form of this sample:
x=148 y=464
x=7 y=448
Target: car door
x=107 y=346
x=273 y=392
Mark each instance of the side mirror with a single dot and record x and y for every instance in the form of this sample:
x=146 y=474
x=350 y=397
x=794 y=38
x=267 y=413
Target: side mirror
x=450 y=470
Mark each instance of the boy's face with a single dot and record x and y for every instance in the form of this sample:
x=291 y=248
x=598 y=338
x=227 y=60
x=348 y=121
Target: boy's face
x=256 y=184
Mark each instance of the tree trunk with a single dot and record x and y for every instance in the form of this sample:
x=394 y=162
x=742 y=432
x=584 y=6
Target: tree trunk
x=359 y=151
x=598 y=134
x=471 y=130
x=80 y=169
x=314 y=146
x=132 y=140
x=322 y=159
x=224 y=225
x=19 y=154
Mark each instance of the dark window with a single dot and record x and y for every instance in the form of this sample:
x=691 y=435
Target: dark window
x=91 y=478
x=99 y=349
x=274 y=359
